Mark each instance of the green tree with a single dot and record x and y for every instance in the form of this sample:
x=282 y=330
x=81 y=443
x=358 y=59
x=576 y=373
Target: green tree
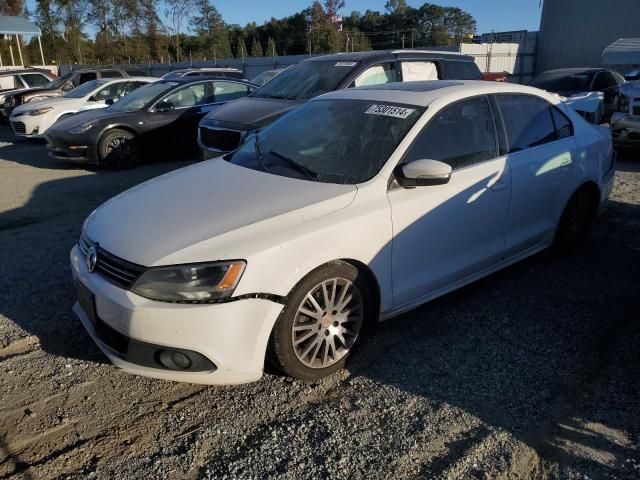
x=256 y=48
x=241 y=48
x=271 y=48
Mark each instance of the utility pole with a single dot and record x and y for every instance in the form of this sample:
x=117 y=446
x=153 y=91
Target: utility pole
x=412 y=35
x=348 y=42
x=403 y=41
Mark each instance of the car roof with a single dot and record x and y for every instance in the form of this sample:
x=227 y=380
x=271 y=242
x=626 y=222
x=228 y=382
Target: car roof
x=425 y=92
x=128 y=79
x=359 y=56
x=24 y=70
x=206 y=69
x=201 y=78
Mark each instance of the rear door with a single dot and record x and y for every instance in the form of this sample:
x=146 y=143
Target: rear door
x=541 y=157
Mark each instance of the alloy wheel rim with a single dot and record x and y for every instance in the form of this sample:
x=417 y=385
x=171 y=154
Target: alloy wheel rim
x=327 y=323
x=119 y=146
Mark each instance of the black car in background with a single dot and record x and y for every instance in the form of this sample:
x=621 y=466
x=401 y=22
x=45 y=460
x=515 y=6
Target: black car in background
x=60 y=86
x=569 y=82
x=159 y=117
x=223 y=129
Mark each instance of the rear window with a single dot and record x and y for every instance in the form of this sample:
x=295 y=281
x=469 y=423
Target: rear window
x=462 y=70
x=35 y=79
x=563 y=82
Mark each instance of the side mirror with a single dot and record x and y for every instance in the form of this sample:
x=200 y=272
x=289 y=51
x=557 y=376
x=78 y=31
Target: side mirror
x=164 y=107
x=423 y=173
x=109 y=101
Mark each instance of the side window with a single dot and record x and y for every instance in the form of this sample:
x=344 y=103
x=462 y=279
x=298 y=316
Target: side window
x=113 y=92
x=461 y=134
x=227 y=91
x=111 y=74
x=462 y=70
x=10 y=82
x=85 y=77
x=137 y=73
x=376 y=75
x=416 y=71
x=527 y=120
x=131 y=86
x=189 y=96
x=35 y=79
x=563 y=125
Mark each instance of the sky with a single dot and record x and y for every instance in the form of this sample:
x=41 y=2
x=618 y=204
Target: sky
x=496 y=15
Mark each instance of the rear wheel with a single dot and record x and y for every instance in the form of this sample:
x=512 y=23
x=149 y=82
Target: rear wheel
x=322 y=322
x=117 y=150
x=576 y=219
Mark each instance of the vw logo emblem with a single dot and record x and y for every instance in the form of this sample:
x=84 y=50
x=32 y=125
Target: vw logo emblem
x=92 y=258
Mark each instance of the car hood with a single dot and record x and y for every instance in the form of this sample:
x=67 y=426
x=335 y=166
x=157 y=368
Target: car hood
x=249 y=112
x=86 y=116
x=36 y=92
x=49 y=102
x=208 y=211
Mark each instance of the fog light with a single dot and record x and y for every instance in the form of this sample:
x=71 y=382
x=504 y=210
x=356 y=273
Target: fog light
x=174 y=360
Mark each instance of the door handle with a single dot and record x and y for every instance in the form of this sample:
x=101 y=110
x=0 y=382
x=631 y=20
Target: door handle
x=499 y=185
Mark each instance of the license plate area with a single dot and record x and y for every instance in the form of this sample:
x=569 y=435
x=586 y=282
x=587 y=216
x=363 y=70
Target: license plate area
x=87 y=301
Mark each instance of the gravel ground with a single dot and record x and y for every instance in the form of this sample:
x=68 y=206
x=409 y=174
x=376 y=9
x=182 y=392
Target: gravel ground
x=530 y=373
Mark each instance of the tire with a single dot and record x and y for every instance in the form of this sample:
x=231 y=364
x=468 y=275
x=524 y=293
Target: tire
x=320 y=327
x=576 y=220
x=117 y=150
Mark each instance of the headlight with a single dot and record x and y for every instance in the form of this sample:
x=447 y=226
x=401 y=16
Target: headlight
x=84 y=127
x=623 y=103
x=39 y=111
x=201 y=282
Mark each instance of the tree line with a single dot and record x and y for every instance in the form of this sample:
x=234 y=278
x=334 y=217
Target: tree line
x=141 y=31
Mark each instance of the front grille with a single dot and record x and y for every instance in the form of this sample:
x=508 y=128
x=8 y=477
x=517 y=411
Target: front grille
x=220 y=139
x=115 y=269
x=19 y=127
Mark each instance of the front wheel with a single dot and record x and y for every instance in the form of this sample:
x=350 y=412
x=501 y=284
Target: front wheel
x=117 y=150
x=322 y=322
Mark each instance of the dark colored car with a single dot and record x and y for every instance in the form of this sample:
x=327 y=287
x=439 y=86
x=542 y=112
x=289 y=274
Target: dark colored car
x=158 y=117
x=59 y=86
x=569 y=82
x=223 y=129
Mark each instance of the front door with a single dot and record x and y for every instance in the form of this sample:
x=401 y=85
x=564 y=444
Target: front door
x=443 y=234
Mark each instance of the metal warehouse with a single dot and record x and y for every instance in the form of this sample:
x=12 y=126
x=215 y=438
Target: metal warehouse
x=573 y=33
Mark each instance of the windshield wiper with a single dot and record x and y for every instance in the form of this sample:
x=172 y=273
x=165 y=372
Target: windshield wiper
x=259 y=154
x=307 y=172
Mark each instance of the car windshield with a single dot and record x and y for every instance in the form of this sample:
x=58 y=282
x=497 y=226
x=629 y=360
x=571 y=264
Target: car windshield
x=84 y=89
x=329 y=141
x=59 y=82
x=562 y=82
x=306 y=80
x=141 y=97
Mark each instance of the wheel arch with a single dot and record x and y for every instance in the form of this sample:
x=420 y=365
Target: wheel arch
x=363 y=269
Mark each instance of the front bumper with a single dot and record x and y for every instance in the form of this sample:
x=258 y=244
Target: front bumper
x=26 y=126
x=232 y=336
x=75 y=148
x=625 y=130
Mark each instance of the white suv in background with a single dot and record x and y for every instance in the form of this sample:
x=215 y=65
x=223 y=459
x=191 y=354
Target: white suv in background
x=34 y=118
x=356 y=206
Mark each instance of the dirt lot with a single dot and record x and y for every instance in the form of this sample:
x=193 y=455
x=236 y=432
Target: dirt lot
x=531 y=373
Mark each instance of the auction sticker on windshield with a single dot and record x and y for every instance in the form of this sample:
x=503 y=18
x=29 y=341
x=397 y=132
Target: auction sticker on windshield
x=389 y=111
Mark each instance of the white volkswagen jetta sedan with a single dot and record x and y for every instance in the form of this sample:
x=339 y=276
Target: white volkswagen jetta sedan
x=354 y=208
x=32 y=119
